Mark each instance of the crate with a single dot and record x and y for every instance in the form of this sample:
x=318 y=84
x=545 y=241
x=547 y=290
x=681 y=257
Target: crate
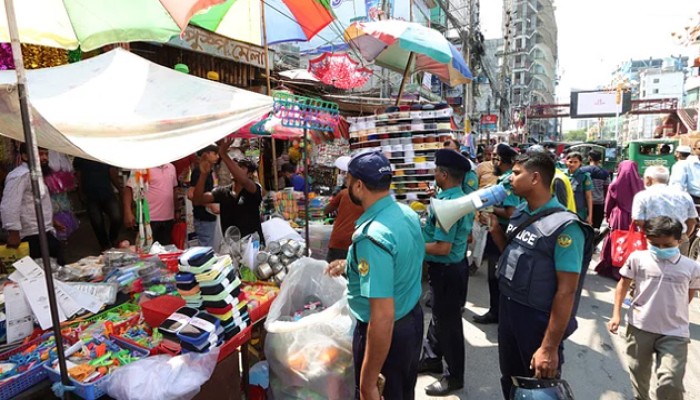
x=16 y=385
x=94 y=390
x=102 y=316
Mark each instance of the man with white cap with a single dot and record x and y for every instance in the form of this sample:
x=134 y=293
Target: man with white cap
x=682 y=153
x=347 y=214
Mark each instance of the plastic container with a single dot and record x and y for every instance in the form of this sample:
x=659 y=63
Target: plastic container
x=159 y=309
x=12 y=387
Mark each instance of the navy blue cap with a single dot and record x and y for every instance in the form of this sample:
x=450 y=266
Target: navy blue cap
x=452 y=159
x=506 y=152
x=370 y=167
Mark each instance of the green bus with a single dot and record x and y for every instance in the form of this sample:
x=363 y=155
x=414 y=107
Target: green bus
x=647 y=152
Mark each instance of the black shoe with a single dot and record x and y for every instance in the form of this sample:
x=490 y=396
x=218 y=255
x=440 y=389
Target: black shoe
x=443 y=387
x=487 y=318
x=430 y=366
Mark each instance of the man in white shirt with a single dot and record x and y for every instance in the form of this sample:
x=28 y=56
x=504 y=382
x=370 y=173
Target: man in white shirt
x=18 y=213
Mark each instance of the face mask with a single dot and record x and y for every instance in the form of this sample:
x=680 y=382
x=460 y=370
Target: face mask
x=664 y=254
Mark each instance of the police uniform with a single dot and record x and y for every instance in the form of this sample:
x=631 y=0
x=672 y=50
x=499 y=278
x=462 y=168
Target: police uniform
x=527 y=281
x=385 y=260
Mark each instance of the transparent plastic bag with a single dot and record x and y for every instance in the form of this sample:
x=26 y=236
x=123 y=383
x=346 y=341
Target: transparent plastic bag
x=162 y=377
x=310 y=357
x=479 y=234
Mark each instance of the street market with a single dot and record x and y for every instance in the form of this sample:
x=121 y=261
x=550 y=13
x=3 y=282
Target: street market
x=288 y=199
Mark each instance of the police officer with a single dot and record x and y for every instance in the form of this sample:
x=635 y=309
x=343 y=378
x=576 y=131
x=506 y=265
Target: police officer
x=502 y=164
x=546 y=250
x=383 y=266
x=448 y=276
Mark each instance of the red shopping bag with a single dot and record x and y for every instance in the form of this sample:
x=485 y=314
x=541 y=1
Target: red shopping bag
x=178 y=234
x=624 y=243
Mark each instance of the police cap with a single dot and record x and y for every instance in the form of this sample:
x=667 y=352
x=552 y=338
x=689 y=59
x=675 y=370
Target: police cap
x=452 y=159
x=370 y=167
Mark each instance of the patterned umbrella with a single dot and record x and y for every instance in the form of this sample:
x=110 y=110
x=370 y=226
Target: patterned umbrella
x=404 y=46
x=339 y=70
x=90 y=24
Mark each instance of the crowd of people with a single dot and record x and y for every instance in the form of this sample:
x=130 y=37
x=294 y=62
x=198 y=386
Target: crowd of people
x=539 y=243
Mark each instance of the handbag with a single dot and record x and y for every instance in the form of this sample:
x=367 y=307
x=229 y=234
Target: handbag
x=624 y=243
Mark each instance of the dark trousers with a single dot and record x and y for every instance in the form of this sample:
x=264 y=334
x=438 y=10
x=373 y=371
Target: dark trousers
x=520 y=333
x=336 y=254
x=492 y=254
x=55 y=249
x=448 y=287
x=163 y=231
x=97 y=209
x=401 y=365
x=598 y=215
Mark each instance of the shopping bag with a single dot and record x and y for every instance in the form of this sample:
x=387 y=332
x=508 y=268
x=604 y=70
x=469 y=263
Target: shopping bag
x=624 y=243
x=478 y=244
x=309 y=352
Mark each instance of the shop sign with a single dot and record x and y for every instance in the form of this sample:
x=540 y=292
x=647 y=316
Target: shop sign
x=202 y=41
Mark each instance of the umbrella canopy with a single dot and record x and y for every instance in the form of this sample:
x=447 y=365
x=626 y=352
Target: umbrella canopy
x=286 y=20
x=390 y=43
x=339 y=70
x=90 y=24
x=299 y=74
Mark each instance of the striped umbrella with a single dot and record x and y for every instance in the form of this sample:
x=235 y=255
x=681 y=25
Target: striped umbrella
x=406 y=46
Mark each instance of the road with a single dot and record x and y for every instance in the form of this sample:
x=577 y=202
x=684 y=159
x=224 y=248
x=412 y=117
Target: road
x=595 y=364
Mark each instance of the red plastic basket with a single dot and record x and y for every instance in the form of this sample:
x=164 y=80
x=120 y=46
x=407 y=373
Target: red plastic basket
x=235 y=342
x=12 y=387
x=159 y=309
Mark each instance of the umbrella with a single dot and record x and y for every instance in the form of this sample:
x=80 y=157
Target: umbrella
x=402 y=46
x=339 y=70
x=91 y=24
x=285 y=20
x=299 y=74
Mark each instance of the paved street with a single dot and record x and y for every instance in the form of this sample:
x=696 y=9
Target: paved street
x=594 y=359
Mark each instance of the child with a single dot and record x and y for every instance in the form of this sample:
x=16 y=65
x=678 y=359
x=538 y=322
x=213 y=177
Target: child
x=582 y=186
x=657 y=320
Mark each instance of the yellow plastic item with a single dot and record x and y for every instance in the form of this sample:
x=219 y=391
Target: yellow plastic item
x=9 y=256
x=417 y=206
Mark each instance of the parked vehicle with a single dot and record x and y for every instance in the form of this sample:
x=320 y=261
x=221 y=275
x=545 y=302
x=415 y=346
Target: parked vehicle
x=647 y=152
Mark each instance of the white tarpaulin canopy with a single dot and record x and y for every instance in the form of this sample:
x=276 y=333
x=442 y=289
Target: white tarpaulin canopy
x=126 y=111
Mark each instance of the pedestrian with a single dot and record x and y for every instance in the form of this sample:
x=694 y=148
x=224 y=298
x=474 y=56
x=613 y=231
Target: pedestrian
x=688 y=176
x=158 y=187
x=448 y=277
x=657 y=319
x=96 y=184
x=582 y=185
x=485 y=170
x=661 y=199
x=681 y=155
x=292 y=179
x=17 y=208
x=205 y=216
x=618 y=211
x=344 y=224
x=383 y=267
x=239 y=202
x=503 y=163
x=601 y=182
x=545 y=254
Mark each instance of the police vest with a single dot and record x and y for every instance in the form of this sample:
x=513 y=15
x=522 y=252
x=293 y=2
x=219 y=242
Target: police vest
x=526 y=269
x=570 y=201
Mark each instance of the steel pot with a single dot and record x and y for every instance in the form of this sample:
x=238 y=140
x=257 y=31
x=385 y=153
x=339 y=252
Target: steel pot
x=263 y=271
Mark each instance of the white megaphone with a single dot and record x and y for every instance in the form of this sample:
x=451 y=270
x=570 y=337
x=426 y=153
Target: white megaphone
x=447 y=212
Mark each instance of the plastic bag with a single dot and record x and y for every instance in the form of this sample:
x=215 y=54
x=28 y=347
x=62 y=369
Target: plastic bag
x=162 y=377
x=310 y=357
x=479 y=234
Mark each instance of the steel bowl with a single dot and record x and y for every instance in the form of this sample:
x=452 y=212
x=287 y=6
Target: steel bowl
x=263 y=271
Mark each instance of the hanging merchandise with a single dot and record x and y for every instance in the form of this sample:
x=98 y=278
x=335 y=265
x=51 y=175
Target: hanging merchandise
x=339 y=70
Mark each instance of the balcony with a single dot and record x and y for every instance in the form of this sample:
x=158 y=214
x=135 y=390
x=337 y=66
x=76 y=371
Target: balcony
x=438 y=19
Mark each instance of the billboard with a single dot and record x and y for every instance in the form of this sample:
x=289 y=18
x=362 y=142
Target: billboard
x=599 y=104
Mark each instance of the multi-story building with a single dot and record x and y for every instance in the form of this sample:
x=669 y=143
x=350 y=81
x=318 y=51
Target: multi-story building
x=530 y=59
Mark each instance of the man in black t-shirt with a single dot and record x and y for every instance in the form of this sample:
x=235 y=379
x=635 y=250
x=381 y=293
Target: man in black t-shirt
x=205 y=216
x=239 y=203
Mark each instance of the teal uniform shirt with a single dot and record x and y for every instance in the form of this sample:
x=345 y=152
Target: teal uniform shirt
x=457 y=235
x=583 y=180
x=470 y=183
x=512 y=200
x=385 y=258
x=568 y=253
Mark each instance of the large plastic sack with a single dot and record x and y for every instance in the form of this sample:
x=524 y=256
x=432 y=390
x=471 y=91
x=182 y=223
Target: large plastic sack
x=479 y=234
x=162 y=377
x=310 y=358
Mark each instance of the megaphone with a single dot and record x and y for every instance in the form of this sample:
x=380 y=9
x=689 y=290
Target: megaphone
x=447 y=212
x=525 y=388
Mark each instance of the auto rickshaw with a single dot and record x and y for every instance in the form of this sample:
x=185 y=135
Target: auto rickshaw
x=609 y=160
x=648 y=152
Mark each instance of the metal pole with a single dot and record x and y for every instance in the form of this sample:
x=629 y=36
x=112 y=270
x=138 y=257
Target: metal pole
x=269 y=90
x=306 y=192
x=406 y=73
x=35 y=176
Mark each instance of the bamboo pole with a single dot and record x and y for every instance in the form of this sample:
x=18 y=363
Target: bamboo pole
x=35 y=176
x=275 y=183
x=406 y=74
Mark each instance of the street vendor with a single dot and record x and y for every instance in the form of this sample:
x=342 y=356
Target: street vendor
x=347 y=214
x=239 y=202
x=383 y=266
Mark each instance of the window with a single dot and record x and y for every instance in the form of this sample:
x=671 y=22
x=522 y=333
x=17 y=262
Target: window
x=656 y=80
x=656 y=91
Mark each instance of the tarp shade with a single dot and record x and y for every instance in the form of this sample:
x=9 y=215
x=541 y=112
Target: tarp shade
x=125 y=110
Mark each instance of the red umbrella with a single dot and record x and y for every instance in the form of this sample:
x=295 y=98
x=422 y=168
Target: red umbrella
x=339 y=70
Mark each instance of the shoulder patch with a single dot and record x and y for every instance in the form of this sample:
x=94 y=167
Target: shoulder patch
x=564 y=240
x=363 y=267
x=471 y=182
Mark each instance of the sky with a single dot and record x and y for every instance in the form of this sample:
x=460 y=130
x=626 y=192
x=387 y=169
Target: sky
x=597 y=35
